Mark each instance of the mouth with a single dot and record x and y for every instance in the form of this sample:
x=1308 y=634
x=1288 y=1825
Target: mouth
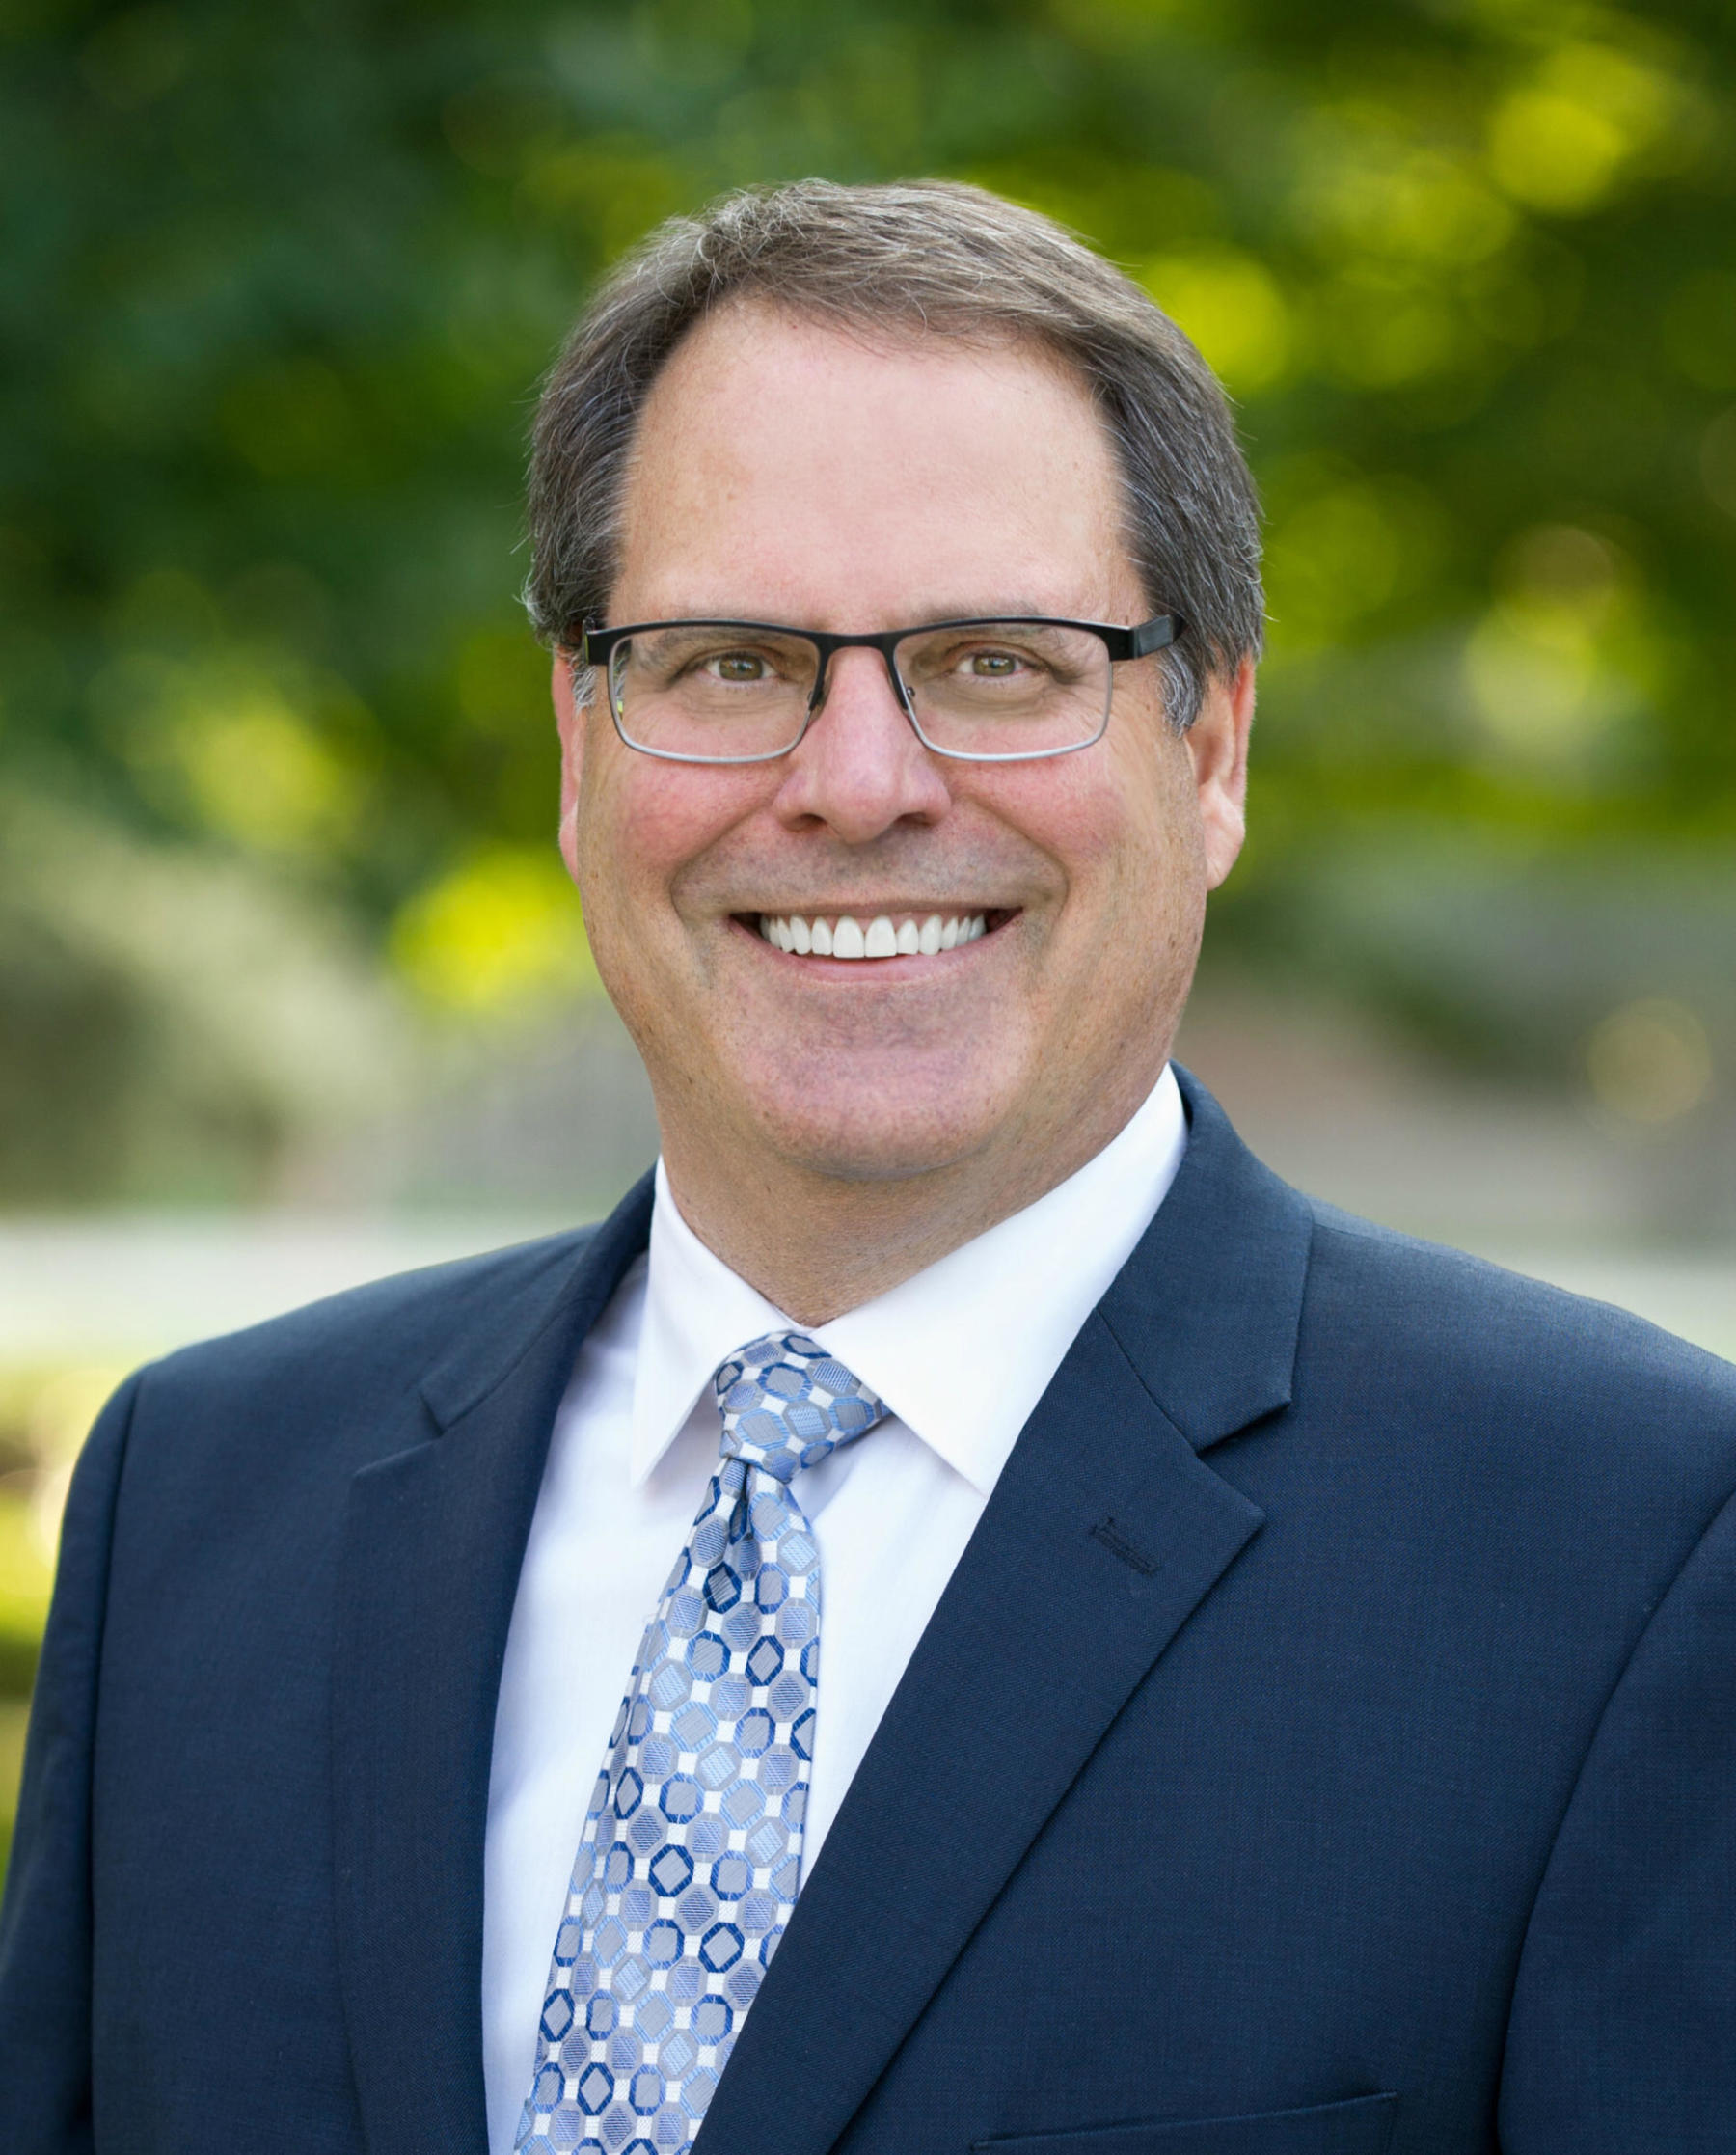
x=877 y=935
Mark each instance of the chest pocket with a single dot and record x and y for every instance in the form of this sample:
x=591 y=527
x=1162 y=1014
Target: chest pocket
x=1360 y=2127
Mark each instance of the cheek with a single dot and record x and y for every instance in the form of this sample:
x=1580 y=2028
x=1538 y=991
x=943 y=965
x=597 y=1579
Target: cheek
x=1155 y=821
x=624 y=834
x=643 y=829
x=1124 y=833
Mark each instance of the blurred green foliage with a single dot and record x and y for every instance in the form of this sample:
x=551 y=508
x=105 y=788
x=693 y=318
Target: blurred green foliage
x=44 y=1414
x=277 y=290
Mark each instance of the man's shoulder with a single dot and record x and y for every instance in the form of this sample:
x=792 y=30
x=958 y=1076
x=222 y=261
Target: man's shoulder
x=1453 y=1338
x=372 y=1343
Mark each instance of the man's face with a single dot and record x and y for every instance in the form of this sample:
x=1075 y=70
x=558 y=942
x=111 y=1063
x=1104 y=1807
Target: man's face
x=788 y=471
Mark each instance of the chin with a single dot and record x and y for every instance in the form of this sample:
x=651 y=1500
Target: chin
x=878 y=1135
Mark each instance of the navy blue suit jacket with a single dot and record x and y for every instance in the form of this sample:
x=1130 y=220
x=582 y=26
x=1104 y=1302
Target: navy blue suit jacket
x=1326 y=1744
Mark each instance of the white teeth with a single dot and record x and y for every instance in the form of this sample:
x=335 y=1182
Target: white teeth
x=845 y=937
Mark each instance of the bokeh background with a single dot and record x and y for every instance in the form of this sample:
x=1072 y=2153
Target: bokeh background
x=291 y=987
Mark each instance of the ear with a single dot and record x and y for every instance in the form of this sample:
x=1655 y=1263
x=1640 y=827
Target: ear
x=569 y=725
x=1217 y=742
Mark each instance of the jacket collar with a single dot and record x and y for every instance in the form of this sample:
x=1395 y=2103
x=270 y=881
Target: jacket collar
x=554 y=1305
x=1209 y=1307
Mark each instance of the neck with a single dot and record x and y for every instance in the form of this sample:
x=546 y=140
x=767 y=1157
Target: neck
x=816 y=1244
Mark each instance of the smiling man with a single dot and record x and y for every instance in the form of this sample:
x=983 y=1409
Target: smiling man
x=966 y=1614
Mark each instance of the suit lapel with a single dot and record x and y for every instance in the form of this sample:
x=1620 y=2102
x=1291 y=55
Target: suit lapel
x=1104 y=1532
x=435 y=1537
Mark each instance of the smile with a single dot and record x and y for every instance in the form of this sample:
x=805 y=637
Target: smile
x=885 y=936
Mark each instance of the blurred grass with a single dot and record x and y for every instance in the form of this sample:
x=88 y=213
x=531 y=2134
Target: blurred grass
x=14 y=1718
x=26 y=1575
x=46 y=1409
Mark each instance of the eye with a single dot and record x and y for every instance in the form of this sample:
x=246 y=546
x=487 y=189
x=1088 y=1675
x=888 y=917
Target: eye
x=996 y=664
x=738 y=666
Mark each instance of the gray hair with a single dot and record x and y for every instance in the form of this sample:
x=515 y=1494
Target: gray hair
x=930 y=256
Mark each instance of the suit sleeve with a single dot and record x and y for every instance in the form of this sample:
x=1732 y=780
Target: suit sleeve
x=1623 y=2031
x=45 y=1920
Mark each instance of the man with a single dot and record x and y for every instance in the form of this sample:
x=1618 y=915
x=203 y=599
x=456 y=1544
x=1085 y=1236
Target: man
x=1276 y=1689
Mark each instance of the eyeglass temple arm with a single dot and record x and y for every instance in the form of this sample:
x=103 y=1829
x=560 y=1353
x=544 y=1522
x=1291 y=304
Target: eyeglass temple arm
x=1155 y=635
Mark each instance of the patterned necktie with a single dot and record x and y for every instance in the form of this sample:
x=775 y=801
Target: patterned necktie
x=691 y=1857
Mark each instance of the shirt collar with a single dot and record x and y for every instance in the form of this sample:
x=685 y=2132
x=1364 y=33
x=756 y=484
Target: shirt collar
x=962 y=1351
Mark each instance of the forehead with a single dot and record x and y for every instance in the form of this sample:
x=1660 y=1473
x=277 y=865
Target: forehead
x=796 y=468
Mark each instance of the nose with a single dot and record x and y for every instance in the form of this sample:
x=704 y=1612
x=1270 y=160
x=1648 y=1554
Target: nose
x=861 y=768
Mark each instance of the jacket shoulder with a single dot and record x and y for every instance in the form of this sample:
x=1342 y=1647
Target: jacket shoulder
x=376 y=1340
x=1465 y=1340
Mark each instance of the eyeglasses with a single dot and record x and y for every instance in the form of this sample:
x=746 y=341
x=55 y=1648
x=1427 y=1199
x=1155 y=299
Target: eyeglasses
x=984 y=692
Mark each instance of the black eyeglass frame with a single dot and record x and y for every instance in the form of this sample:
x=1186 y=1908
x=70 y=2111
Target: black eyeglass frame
x=596 y=646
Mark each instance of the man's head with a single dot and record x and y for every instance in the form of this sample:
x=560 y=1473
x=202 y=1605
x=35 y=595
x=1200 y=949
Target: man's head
x=950 y=261
x=856 y=410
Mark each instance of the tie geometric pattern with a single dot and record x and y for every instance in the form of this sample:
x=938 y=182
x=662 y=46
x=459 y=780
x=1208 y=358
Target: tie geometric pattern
x=690 y=1858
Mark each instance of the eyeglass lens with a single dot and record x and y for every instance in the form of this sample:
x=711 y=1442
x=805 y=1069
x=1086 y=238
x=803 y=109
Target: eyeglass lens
x=979 y=689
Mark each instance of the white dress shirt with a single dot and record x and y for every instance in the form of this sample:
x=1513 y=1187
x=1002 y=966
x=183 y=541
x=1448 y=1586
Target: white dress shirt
x=961 y=1352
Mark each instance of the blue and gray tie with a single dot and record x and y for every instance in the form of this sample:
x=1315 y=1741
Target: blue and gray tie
x=691 y=1857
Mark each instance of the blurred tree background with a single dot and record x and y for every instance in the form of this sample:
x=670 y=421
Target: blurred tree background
x=275 y=769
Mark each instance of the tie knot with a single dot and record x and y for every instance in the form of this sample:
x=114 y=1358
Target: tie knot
x=787 y=1404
